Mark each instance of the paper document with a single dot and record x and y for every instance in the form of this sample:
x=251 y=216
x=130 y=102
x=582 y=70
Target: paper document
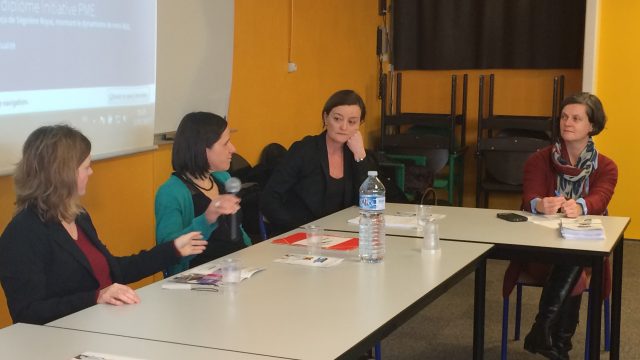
x=582 y=228
x=89 y=355
x=205 y=275
x=309 y=260
x=550 y=221
x=329 y=242
x=408 y=221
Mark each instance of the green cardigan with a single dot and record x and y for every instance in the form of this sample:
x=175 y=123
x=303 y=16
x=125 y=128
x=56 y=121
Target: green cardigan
x=175 y=217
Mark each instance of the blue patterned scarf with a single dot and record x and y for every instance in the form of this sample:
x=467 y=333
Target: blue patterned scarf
x=573 y=181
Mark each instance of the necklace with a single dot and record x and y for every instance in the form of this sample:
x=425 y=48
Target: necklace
x=201 y=187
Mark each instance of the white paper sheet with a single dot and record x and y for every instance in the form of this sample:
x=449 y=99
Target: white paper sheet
x=407 y=221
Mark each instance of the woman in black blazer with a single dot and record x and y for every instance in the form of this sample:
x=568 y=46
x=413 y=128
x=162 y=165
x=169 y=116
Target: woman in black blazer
x=52 y=263
x=320 y=174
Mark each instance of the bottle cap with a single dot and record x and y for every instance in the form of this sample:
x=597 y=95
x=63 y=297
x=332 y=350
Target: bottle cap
x=372 y=173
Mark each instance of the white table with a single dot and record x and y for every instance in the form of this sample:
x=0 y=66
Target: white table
x=523 y=241
x=482 y=225
x=293 y=311
x=28 y=342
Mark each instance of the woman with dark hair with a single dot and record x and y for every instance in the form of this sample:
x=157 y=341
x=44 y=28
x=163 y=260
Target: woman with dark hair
x=52 y=262
x=320 y=174
x=573 y=178
x=194 y=196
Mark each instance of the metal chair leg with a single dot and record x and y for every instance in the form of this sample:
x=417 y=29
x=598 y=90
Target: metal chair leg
x=516 y=334
x=607 y=324
x=505 y=328
x=378 y=351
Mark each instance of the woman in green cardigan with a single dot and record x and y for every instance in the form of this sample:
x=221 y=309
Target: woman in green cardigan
x=194 y=196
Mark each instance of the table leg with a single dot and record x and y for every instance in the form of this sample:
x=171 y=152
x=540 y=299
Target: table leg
x=478 y=309
x=595 y=297
x=616 y=300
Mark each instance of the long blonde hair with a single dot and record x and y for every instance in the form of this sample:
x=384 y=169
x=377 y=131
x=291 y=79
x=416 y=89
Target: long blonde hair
x=46 y=176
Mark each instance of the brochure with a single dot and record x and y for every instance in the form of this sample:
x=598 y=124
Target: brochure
x=203 y=276
x=329 y=242
x=309 y=260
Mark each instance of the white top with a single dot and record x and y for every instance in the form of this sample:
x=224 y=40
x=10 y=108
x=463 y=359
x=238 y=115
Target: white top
x=287 y=310
x=483 y=226
x=25 y=341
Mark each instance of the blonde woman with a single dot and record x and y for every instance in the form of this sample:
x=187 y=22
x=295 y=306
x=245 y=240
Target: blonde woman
x=52 y=262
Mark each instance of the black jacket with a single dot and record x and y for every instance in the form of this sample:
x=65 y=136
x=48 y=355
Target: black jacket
x=46 y=276
x=296 y=192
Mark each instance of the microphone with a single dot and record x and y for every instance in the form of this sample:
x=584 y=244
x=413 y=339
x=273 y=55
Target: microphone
x=232 y=186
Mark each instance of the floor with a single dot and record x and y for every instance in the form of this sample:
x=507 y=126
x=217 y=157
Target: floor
x=443 y=330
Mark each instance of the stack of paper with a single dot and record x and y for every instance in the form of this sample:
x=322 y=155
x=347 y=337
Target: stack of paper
x=582 y=228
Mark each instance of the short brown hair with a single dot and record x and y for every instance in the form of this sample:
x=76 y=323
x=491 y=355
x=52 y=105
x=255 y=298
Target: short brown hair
x=594 y=109
x=344 y=97
x=46 y=176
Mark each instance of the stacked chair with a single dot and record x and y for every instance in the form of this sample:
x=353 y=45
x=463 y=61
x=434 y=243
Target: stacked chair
x=506 y=141
x=435 y=141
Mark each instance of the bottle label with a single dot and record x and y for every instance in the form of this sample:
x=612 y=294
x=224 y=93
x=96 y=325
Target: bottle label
x=371 y=202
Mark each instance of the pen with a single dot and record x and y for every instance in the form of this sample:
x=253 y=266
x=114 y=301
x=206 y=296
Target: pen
x=195 y=287
x=405 y=213
x=204 y=288
x=559 y=194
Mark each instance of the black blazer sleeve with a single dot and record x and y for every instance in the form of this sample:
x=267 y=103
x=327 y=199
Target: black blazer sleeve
x=360 y=170
x=295 y=194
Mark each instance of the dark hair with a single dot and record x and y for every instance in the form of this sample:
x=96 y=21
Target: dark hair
x=46 y=176
x=344 y=97
x=197 y=132
x=595 y=111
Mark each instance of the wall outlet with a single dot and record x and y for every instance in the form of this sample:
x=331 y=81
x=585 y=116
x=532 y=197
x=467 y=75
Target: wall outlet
x=292 y=67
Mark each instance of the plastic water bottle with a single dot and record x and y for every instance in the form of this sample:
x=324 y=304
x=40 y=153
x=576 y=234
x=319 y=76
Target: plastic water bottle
x=371 y=244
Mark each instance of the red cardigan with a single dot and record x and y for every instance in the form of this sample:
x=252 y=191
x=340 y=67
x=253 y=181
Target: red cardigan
x=540 y=179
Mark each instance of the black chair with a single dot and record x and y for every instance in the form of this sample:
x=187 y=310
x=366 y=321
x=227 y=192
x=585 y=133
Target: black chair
x=239 y=166
x=506 y=141
x=433 y=140
x=250 y=195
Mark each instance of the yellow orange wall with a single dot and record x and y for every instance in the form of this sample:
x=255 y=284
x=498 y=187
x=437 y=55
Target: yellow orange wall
x=333 y=44
x=618 y=85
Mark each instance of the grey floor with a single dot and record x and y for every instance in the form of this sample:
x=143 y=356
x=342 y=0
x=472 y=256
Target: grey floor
x=443 y=330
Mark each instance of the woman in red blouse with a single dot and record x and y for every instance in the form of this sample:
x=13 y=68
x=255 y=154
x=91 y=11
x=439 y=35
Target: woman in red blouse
x=573 y=178
x=51 y=260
